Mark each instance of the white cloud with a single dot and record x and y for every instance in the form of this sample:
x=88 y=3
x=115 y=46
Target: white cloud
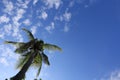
x=2 y=35
x=66 y=28
x=33 y=30
x=27 y=22
x=115 y=75
x=19 y=15
x=71 y=4
x=44 y=15
x=23 y=4
x=35 y=1
x=8 y=6
x=7 y=55
x=4 y=61
x=52 y=3
x=20 y=12
x=16 y=24
x=50 y=27
x=8 y=29
x=67 y=16
x=64 y=17
x=4 y=19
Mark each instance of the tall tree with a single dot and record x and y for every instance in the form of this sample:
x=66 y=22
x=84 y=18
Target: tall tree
x=32 y=54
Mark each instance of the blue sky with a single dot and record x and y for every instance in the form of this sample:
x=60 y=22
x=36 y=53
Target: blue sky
x=87 y=30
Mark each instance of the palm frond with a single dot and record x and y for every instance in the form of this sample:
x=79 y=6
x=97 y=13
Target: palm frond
x=40 y=65
x=25 y=47
x=51 y=47
x=17 y=44
x=37 y=62
x=22 y=60
x=45 y=59
x=39 y=70
x=30 y=35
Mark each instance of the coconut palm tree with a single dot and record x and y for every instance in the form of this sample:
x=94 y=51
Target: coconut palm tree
x=32 y=54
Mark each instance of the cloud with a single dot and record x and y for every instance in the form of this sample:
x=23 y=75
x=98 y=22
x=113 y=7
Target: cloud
x=8 y=29
x=66 y=28
x=19 y=15
x=2 y=35
x=50 y=27
x=35 y=1
x=16 y=24
x=33 y=30
x=11 y=21
x=7 y=56
x=52 y=3
x=44 y=15
x=7 y=52
x=67 y=16
x=27 y=22
x=71 y=4
x=4 y=19
x=23 y=4
x=4 y=61
x=8 y=7
x=115 y=75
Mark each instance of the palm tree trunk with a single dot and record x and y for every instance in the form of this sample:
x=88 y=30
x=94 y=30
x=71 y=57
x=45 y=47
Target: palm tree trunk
x=21 y=74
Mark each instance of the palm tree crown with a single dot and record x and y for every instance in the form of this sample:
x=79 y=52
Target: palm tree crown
x=32 y=54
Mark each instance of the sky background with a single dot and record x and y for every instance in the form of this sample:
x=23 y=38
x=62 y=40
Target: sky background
x=88 y=31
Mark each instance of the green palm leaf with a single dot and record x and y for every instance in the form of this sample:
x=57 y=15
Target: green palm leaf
x=24 y=47
x=40 y=65
x=51 y=47
x=45 y=59
x=17 y=44
x=30 y=35
x=39 y=70
x=37 y=62
x=23 y=60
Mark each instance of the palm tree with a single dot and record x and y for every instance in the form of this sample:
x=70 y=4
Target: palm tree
x=32 y=54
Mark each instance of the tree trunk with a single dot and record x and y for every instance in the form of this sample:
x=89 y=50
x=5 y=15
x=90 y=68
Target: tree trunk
x=21 y=74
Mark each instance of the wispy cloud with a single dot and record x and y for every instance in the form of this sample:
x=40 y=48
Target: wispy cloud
x=50 y=27
x=66 y=28
x=71 y=3
x=16 y=24
x=8 y=7
x=4 y=19
x=115 y=75
x=27 y=22
x=43 y=15
x=35 y=1
x=23 y=4
x=6 y=55
x=19 y=15
x=33 y=30
x=7 y=52
x=4 y=61
x=7 y=29
x=67 y=16
x=1 y=34
x=52 y=3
